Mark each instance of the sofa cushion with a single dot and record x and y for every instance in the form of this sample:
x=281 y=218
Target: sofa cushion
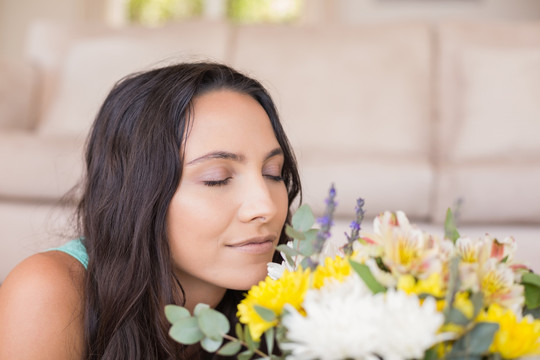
x=93 y=63
x=18 y=90
x=38 y=168
x=489 y=86
x=383 y=183
x=364 y=89
x=355 y=101
x=500 y=104
x=489 y=130
x=503 y=193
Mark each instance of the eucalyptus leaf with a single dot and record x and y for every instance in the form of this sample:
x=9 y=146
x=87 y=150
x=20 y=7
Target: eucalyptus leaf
x=306 y=247
x=173 y=313
x=211 y=345
x=476 y=342
x=245 y=355
x=200 y=307
x=453 y=285
x=239 y=332
x=269 y=337
x=477 y=300
x=265 y=313
x=287 y=250
x=251 y=344
x=455 y=316
x=365 y=274
x=311 y=234
x=303 y=219
x=229 y=349
x=450 y=228
x=186 y=331
x=213 y=323
x=293 y=233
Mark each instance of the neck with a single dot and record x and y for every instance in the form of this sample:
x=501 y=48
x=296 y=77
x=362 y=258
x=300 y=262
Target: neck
x=198 y=291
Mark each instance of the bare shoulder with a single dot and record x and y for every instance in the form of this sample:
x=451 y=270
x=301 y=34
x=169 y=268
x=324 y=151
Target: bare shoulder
x=41 y=307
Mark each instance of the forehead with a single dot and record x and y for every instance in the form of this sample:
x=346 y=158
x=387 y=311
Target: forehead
x=229 y=120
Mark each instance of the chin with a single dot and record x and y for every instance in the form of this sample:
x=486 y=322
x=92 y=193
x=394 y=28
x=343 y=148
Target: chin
x=248 y=280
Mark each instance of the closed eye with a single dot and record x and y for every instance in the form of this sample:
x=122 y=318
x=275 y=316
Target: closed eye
x=217 y=182
x=274 y=178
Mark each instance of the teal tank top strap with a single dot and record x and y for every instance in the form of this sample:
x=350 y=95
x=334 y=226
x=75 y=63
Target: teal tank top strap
x=76 y=249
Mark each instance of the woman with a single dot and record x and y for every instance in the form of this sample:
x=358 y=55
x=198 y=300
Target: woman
x=188 y=186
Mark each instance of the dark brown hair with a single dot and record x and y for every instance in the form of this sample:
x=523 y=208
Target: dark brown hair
x=133 y=168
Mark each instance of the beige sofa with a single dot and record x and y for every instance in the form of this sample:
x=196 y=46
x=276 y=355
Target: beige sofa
x=410 y=116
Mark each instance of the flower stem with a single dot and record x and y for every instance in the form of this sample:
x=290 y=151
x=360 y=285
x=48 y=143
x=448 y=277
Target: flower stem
x=244 y=344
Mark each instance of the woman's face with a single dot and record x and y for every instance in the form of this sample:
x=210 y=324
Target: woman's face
x=227 y=214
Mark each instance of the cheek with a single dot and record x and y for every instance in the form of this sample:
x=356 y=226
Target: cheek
x=194 y=225
x=282 y=204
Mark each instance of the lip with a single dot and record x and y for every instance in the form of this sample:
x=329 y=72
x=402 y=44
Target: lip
x=255 y=245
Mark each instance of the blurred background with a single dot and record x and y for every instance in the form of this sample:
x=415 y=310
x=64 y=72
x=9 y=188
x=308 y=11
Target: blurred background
x=17 y=15
x=414 y=105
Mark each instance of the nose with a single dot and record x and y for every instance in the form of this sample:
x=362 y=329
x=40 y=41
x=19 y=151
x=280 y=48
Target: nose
x=257 y=202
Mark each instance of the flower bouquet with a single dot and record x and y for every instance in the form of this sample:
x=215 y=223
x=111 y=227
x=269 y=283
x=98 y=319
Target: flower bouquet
x=398 y=293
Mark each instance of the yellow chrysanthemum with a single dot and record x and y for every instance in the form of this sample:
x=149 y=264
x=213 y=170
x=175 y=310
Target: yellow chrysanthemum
x=273 y=294
x=515 y=338
x=336 y=268
x=432 y=285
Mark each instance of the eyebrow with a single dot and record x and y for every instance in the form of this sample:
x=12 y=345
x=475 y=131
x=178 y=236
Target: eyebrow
x=231 y=156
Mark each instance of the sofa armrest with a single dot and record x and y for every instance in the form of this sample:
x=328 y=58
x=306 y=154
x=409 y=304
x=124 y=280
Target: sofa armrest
x=18 y=90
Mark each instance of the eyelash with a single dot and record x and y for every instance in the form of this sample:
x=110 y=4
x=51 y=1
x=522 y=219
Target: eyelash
x=217 y=182
x=226 y=181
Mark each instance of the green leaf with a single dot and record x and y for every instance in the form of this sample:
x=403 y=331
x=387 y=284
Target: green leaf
x=186 y=331
x=431 y=354
x=531 y=279
x=477 y=300
x=213 y=323
x=239 y=332
x=531 y=283
x=245 y=355
x=306 y=246
x=453 y=285
x=368 y=278
x=293 y=233
x=287 y=250
x=535 y=313
x=476 y=342
x=455 y=316
x=269 y=337
x=251 y=344
x=450 y=229
x=265 y=313
x=211 y=345
x=200 y=307
x=303 y=218
x=230 y=348
x=532 y=296
x=173 y=313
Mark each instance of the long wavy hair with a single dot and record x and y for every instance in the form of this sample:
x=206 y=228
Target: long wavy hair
x=133 y=168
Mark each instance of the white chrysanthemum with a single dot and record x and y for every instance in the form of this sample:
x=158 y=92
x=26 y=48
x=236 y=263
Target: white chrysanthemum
x=344 y=320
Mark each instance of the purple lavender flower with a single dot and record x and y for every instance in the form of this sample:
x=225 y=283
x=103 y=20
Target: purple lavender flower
x=355 y=226
x=326 y=222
